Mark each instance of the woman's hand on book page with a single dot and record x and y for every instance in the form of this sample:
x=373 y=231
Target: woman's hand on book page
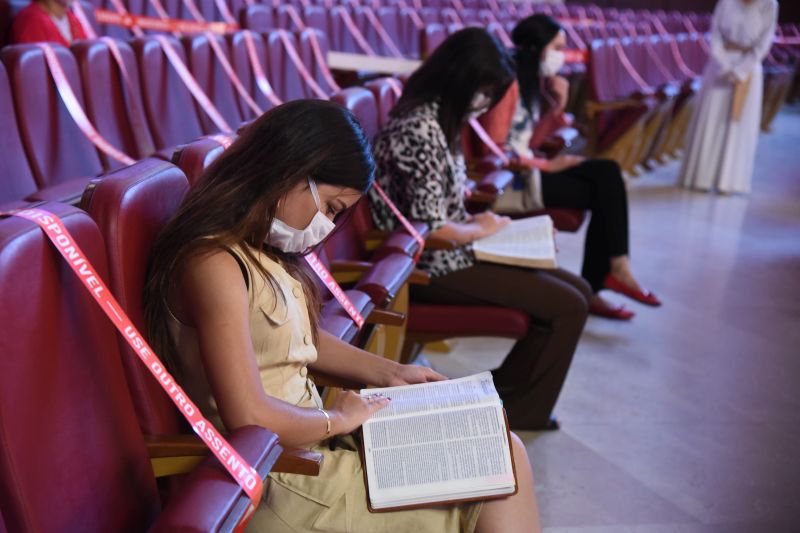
x=410 y=374
x=350 y=410
x=490 y=223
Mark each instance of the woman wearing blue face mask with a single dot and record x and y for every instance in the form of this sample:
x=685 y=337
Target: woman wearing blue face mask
x=233 y=311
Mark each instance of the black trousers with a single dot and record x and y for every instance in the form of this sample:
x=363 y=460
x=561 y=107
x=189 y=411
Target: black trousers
x=532 y=374
x=596 y=185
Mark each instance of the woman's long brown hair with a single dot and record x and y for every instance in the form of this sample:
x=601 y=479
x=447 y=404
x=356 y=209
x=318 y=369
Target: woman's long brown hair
x=235 y=201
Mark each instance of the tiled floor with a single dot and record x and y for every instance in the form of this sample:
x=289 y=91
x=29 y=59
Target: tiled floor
x=687 y=419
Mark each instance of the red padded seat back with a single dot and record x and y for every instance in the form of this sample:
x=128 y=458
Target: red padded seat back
x=17 y=180
x=208 y=72
x=110 y=105
x=316 y=17
x=194 y=158
x=361 y=103
x=392 y=21
x=432 y=37
x=57 y=150
x=131 y=207
x=257 y=17
x=310 y=59
x=72 y=457
x=283 y=74
x=339 y=36
x=347 y=242
x=410 y=35
x=385 y=97
x=240 y=60
x=168 y=104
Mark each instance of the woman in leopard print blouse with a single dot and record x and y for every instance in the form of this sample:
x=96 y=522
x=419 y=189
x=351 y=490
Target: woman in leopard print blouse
x=421 y=168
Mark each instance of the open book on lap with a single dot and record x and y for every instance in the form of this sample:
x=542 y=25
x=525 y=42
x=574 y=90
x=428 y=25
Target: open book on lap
x=527 y=242
x=435 y=443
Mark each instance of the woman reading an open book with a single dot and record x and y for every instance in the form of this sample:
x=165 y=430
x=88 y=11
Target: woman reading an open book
x=566 y=181
x=234 y=312
x=421 y=168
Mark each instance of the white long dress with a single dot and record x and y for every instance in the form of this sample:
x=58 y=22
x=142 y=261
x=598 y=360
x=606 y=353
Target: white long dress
x=720 y=151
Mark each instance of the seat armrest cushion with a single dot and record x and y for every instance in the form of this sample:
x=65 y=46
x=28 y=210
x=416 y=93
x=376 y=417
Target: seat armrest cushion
x=209 y=499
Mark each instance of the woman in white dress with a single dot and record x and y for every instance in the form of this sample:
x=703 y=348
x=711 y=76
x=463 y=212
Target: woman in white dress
x=723 y=134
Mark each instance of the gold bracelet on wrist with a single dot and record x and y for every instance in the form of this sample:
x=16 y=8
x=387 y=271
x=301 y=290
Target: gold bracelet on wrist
x=327 y=420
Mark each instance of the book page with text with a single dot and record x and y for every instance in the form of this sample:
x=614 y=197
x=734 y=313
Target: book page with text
x=528 y=238
x=447 y=455
x=426 y=397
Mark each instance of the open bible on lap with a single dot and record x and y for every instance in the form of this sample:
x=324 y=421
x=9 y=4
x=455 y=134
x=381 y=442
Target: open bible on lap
x=527 y=242
x=435 y=443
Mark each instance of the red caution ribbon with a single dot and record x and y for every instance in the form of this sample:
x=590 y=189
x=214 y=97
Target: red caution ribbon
x=258 y=72
x=381 y=31
x=244 y=474
x=191 y=83
x=74 y=107
x=355 y=32
x=166 y=25
x=575 y=56
x=291 y=51
x=322 y=61
x=487 y=140
x=403 y=220
x=327 y=279
x=80 y=14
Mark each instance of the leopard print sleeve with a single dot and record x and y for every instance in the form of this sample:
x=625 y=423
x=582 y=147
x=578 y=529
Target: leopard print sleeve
x=422 y=178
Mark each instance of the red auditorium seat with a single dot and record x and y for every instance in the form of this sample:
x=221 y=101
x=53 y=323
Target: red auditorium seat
x=340 y=38
x=115 y=110
x=283 y=74
x=18 y=181
x=362 y=104
x=76 y=459
x=169 y=106
x=130 y=206
x=410 y=34
x=194 y=157
x=209 y=73
x=310 y=59
x=316 y=17
x=616 y=109
x=61 y=158
x=385 y=96
x=432 y=37
x=240 y=61
x=257 y=17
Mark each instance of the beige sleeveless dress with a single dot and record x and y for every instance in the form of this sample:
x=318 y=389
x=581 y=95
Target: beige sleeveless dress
x=336 y=500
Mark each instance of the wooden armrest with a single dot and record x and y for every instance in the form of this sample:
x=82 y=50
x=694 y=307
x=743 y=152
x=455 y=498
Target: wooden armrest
x=437 y=243
x=387 y=317
x=419 y=277
x=298 y=461
x=175 y=445
x=481 y=197
x=350 y=266
x=376 y=234
x=593 y=107
x=323 y=379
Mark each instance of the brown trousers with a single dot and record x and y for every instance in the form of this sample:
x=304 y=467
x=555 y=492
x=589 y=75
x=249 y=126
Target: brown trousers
x=532 y=374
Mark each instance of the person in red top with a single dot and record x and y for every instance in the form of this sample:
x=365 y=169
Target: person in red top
x=46 y=21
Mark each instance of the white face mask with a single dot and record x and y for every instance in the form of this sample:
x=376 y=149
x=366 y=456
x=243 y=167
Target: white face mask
x=293 y=240
x=552 y=63
x=479 y=105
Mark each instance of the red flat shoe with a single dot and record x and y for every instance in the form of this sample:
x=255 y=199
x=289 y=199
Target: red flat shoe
x=607 y=311
x=645 y=297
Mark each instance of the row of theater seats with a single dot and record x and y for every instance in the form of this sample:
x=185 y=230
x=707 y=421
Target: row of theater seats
x=47 y=157
x=133 y=430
